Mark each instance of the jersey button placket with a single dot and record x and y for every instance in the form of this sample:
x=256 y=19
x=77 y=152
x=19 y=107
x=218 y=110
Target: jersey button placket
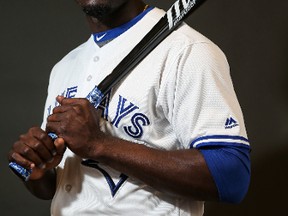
x=89 y=77
x=96 y=58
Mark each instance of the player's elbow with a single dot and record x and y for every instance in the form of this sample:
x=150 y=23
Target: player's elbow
x=234 y=179
x=230 y=168
x=235 y=191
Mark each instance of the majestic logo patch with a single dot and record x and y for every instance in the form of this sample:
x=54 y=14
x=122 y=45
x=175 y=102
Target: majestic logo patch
x=231 y=123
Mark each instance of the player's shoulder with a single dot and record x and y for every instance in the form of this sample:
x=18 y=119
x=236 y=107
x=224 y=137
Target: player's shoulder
x=70 y=60
x=74 y=53
x=72 y=56
x=190 y=35
x=185 y=35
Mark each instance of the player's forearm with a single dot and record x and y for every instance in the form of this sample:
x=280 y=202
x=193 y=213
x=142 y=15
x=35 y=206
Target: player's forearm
x=180 y=172
x=45 y=187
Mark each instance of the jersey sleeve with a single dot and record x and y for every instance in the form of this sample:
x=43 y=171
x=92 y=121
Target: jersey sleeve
x=199 y=100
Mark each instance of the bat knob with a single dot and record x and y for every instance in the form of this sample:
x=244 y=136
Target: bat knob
x=20 y=171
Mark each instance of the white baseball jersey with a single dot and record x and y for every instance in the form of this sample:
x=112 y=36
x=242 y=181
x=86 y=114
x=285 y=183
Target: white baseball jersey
x=180 y=92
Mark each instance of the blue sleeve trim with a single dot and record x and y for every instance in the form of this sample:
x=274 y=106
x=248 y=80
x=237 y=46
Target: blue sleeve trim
x=219 y=140
x=228 y=160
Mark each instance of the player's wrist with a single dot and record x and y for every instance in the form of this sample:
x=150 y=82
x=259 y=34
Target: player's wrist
x=43 y=186
x=102 y=148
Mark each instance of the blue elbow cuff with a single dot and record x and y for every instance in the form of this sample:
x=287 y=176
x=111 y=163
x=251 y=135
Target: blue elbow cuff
x=230 y=167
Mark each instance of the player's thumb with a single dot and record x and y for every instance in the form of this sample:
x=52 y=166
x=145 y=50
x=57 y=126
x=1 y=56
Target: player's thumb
x=60 y=146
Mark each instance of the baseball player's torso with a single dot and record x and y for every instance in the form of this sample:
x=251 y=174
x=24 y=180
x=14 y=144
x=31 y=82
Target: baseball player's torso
x=143 y=108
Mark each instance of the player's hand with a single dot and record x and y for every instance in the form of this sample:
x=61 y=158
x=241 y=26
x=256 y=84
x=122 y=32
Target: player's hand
x=77 y=122
x=35 y=150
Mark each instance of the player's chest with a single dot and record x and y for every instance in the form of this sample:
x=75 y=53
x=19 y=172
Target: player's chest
x=127 y=110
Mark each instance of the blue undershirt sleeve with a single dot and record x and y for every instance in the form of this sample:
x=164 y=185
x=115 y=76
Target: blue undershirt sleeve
x=230 y=168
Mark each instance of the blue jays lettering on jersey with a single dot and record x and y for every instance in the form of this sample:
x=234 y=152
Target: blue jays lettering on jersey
x=125 y=109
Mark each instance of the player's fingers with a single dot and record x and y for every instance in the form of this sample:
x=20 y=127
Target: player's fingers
x=40 y=149
x=20 y=160
x=61 y=109
x=29 y=154
x=78 y=104
x=60 y=146
x=25 y=155
x=42 y=140
x=55 y=128
x=65 y=112
x=20 y=147
x=70 y=101
x=59 y=99
x=59 y=121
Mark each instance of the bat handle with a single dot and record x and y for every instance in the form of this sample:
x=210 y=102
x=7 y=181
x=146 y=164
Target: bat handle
x=22 y=172
x=95 y=97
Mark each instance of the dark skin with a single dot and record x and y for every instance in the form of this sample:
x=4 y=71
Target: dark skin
x=76 y=122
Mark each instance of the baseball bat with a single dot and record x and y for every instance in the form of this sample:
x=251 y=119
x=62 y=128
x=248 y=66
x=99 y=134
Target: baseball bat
x=178 y=12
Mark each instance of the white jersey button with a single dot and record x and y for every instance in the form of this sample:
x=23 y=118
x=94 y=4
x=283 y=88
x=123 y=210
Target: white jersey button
x=89 y=78
x=96 y=59
x=68 y=187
